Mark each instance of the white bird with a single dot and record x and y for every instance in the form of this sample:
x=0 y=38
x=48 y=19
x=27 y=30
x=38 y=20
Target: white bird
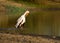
x=21 y=20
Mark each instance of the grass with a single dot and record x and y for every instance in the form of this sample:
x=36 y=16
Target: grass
x=45 y=4
x=30 y=4
x=12 y=10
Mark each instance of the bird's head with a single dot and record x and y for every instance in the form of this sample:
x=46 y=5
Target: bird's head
x=27 y=13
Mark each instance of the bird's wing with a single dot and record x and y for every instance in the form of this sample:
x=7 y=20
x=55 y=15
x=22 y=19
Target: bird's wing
x=20 y=18
x=23 y=21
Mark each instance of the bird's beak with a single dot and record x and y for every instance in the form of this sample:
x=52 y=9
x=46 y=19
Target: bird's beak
x=27 y=14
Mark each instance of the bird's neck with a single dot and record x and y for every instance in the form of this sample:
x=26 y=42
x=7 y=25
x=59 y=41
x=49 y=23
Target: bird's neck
x=25 y=14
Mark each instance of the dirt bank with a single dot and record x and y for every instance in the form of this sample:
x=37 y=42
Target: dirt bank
x=10 y=38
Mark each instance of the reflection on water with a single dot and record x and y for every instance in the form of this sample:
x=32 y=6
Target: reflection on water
x=3 y=21
x=39 y=22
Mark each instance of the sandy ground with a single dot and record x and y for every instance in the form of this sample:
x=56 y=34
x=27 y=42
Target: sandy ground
x=11 y=38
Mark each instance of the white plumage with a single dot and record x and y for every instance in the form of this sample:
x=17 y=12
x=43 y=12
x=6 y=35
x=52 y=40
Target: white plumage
x=21 y=20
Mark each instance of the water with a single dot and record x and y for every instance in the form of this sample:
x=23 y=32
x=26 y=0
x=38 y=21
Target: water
x=40 y=22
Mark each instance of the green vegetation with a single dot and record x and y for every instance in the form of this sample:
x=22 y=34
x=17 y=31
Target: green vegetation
x=40 y=3
x=14 y=10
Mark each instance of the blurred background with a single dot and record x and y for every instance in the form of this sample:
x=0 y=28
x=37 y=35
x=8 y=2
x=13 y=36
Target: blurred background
x=44 y=18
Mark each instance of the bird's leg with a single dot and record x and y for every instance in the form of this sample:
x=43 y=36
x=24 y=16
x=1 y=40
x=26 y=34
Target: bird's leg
x=21 y=27
x=17 y=25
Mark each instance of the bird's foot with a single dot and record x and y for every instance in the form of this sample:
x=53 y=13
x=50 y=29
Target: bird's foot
x=21 y=28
